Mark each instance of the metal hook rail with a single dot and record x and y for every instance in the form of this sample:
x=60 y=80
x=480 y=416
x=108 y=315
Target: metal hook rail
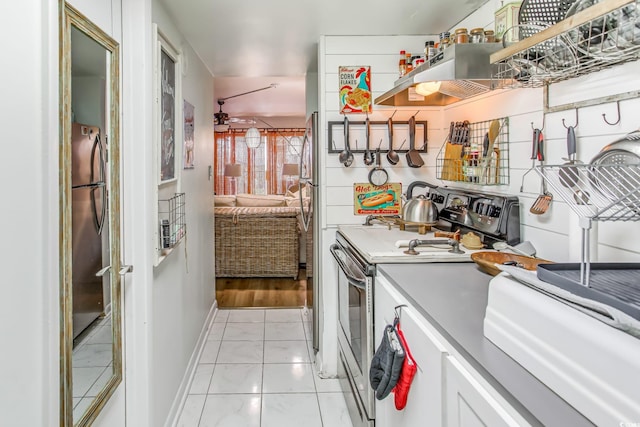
x=604 y=116
x=574 y=126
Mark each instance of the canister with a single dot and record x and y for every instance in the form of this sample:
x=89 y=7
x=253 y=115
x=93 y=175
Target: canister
x=477 y=35
x=489 y=36
x=506 y=17
x=461 y=36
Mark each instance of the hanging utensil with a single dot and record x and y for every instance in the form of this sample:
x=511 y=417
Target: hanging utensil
x=569 y=174
x=392 y=155
x=346 y=156
x=378 y=176
x=541 y=204
x=368 y=154
x=534 y=155
x=490 y=138
x=414 y=159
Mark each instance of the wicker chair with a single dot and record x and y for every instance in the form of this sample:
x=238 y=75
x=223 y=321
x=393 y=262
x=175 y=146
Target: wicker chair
x=256 y=242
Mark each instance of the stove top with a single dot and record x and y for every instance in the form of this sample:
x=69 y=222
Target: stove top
x=492 y=217
x=378 y=244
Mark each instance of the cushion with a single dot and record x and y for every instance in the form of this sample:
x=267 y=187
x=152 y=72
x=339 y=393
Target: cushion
x=294 y=202
x=294 y=189
x=259 y=200
x=228 y=201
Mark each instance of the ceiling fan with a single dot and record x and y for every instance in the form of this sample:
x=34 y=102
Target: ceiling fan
x=222 y=121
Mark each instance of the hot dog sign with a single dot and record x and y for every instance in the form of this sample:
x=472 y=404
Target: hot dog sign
x=369 y=199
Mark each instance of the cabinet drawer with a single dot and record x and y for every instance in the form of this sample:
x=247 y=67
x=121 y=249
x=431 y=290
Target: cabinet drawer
x=469 y=403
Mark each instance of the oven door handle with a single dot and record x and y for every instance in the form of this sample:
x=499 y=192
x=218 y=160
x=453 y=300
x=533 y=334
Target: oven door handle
x=359 y=283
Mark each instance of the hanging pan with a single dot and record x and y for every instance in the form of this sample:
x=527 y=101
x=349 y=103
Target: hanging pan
x=414 y=159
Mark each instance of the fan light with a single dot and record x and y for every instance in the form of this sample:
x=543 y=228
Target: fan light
x=221 y=128
x=428 y=88
x=252 y=138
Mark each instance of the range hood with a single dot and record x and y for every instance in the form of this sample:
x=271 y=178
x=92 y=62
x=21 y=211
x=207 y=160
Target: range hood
x=463 y=71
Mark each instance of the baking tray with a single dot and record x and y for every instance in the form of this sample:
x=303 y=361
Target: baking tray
x=613 y=284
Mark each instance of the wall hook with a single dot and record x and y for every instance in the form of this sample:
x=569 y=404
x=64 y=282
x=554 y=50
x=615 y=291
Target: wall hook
x=398 y=309
x=604 y=116
x=544 y=117
x=574 y=126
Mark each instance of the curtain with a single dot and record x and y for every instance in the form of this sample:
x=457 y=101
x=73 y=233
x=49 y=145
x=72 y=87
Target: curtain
x=261 y=167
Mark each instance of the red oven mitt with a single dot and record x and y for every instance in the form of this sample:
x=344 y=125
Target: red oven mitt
x=401 y=390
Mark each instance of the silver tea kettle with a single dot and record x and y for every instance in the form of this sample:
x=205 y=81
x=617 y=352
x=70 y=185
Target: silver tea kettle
x=419 y=209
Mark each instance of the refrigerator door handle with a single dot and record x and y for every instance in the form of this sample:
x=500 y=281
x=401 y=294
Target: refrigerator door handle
x=98 y=222
x=306 y=216
x=103 y=271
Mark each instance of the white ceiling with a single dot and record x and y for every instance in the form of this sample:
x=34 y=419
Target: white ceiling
x=248 y=44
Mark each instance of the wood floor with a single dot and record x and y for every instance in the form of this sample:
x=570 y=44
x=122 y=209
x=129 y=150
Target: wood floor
x=265 y=292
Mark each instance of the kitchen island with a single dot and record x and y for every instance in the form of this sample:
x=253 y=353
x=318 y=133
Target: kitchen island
x=450 y=299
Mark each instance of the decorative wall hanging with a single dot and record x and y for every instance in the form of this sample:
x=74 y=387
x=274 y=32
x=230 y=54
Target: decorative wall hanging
x=355 y=89
x=189 y=137
x=168 y=118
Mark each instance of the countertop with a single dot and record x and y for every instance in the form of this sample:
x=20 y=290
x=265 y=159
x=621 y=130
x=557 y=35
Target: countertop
x=377 y=244
x=454 y=300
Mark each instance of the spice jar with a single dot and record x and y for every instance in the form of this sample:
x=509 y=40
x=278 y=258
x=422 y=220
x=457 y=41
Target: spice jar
x=489 y=36
x=444 y=43
x=477 y=35
x=461 y=36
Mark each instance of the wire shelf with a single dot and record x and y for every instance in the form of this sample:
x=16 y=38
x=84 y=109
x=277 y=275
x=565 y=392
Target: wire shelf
x=593 y=36
x=173 y=226
x=461 y=157
x=606 y=192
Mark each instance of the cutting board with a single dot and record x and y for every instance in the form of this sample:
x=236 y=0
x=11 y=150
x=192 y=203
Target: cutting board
x=452 y=162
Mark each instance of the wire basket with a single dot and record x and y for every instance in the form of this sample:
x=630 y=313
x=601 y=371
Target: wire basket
x=461 y=158
x=173 y=227
x=590 y=38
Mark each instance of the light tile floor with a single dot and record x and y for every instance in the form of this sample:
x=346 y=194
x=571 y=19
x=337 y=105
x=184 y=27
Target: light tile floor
x=92 y=364
x=256 y=370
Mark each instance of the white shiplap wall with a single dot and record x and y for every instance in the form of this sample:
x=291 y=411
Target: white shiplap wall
x=381 y=53
x=556 y=234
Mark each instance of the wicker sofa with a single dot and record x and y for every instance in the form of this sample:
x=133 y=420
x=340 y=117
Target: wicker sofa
x=260 y=236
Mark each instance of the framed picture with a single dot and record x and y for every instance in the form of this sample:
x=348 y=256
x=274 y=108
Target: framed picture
x=188 y=151
x=355 y=89
x=168 y=108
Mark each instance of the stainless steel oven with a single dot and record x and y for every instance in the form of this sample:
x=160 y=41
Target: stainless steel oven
x=355 y=330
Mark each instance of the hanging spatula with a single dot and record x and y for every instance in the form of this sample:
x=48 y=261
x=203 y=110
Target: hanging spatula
x=541 y=204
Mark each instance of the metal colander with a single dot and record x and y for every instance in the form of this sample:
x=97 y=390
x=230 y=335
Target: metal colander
x=544 y=11
x=615 y=171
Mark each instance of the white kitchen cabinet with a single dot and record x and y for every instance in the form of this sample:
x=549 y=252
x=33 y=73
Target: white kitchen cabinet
x=446 y=391
x=468 y=403
x=424 y=402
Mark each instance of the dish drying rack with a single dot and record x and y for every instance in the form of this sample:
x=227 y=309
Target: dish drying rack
x=604 y=192
x=604 y=34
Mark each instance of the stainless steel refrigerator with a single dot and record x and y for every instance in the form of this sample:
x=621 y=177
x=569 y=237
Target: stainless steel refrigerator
x=309 y=175
x=88 y=213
